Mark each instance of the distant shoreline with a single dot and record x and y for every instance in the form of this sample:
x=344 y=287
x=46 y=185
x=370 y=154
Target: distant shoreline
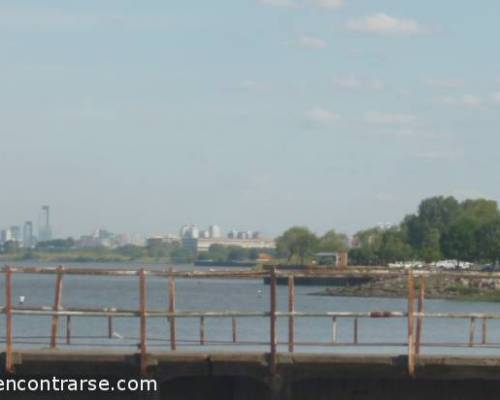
x=437 y=287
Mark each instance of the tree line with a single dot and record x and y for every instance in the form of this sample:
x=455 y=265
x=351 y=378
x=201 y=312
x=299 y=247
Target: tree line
x=442 y=228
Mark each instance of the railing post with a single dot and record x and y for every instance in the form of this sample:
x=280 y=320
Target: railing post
x=9 y=361
x=143 y=321
x=68 y=329
x=420 y=319
x=355 y=333
x=233 y=328
x=411 y=342
x=272 y=317
x=171 y=308
x=334 y=329
x=472 y=329
x=291 y=309
x=57 y=307
x=110 y=327
x=202 y=331
x=485 y=331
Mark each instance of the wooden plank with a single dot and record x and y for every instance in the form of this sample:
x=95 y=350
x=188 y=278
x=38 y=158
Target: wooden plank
x=420 y=319
x=272 y=319
x=291 y=318
x=57 y=307
x=411 y=342
x=143 y=321
x=171 y=309
x=9 y=360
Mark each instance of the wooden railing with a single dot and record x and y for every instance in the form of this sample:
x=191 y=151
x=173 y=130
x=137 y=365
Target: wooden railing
x=413 y=342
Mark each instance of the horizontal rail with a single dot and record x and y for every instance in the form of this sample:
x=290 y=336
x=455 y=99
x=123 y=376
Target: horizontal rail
x=351 y=272
x=122 y=313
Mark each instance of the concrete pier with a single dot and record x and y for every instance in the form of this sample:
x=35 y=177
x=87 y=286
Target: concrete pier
x=242 y=376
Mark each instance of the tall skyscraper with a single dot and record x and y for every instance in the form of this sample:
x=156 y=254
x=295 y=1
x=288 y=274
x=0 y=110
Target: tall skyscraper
x=28 y=240
x=44 y=229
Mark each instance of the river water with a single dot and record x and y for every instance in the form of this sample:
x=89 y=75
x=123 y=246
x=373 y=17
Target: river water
x=227 y=294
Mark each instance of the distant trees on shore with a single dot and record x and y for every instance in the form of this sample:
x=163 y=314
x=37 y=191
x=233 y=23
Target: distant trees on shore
x=442 y=228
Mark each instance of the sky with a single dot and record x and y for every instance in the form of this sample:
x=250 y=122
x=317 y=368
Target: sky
x=250 y=114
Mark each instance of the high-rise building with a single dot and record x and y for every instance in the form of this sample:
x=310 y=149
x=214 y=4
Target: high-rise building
x=15 y=232
x=6 y=235
x=214 y=231
x=44 y=229
x=28 y=240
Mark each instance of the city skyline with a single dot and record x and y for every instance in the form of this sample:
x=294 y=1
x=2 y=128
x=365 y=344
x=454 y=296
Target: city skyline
x=260 y=114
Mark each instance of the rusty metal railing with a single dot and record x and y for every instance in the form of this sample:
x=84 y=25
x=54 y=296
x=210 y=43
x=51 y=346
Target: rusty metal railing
x=413 y=342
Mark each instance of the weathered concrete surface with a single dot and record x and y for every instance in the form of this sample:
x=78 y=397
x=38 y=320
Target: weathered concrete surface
x=242 y=376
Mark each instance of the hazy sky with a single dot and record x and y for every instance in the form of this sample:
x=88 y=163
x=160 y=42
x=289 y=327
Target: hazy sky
x=140 y=116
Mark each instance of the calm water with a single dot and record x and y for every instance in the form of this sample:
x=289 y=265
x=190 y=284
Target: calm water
x=241 y=295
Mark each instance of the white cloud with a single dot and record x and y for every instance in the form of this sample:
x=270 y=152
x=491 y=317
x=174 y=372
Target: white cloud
x=321 y=116
x=383 y=24
x=354 y=83
x=328 y=4
x=379 y=118
x=277 y=3
x=444 y=83
x=466 y=100
x=312 y=42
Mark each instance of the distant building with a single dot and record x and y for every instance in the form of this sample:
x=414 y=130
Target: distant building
x=28 y=240
x=200 y=244
x=15 y=232
x=190 y=232
x=44 y=228
x=214 y=231
x=5 y=235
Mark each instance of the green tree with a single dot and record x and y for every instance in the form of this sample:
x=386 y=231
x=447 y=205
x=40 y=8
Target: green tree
x=431 y=247
x=488 y=241
x=333 y=241
x=298 y=242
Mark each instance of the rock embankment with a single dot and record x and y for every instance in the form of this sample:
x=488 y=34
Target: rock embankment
x=436 y=287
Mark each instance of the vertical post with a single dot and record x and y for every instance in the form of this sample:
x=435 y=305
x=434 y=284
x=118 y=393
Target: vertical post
x=411 y=342
x=485 y=331
x=472 y=329
x=143 y=327
x=110 y=327
x=233 y=328
x=272 y=361
x=68 y=329
x=420 y=319
x=334 y=329
x=9 y=361
x=291 y=309
x=57 y=307
x=202 y=331
x=171 y=308
x=355 y=333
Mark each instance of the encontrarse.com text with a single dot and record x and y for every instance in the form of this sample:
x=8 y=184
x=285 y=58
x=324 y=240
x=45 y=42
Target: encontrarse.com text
x=55 y=384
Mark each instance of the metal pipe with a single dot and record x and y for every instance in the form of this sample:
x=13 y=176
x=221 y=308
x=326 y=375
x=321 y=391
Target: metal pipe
x=272 y=319
x=57 y=306
x=291 y=318
x=171 y=308
x=9 y=359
